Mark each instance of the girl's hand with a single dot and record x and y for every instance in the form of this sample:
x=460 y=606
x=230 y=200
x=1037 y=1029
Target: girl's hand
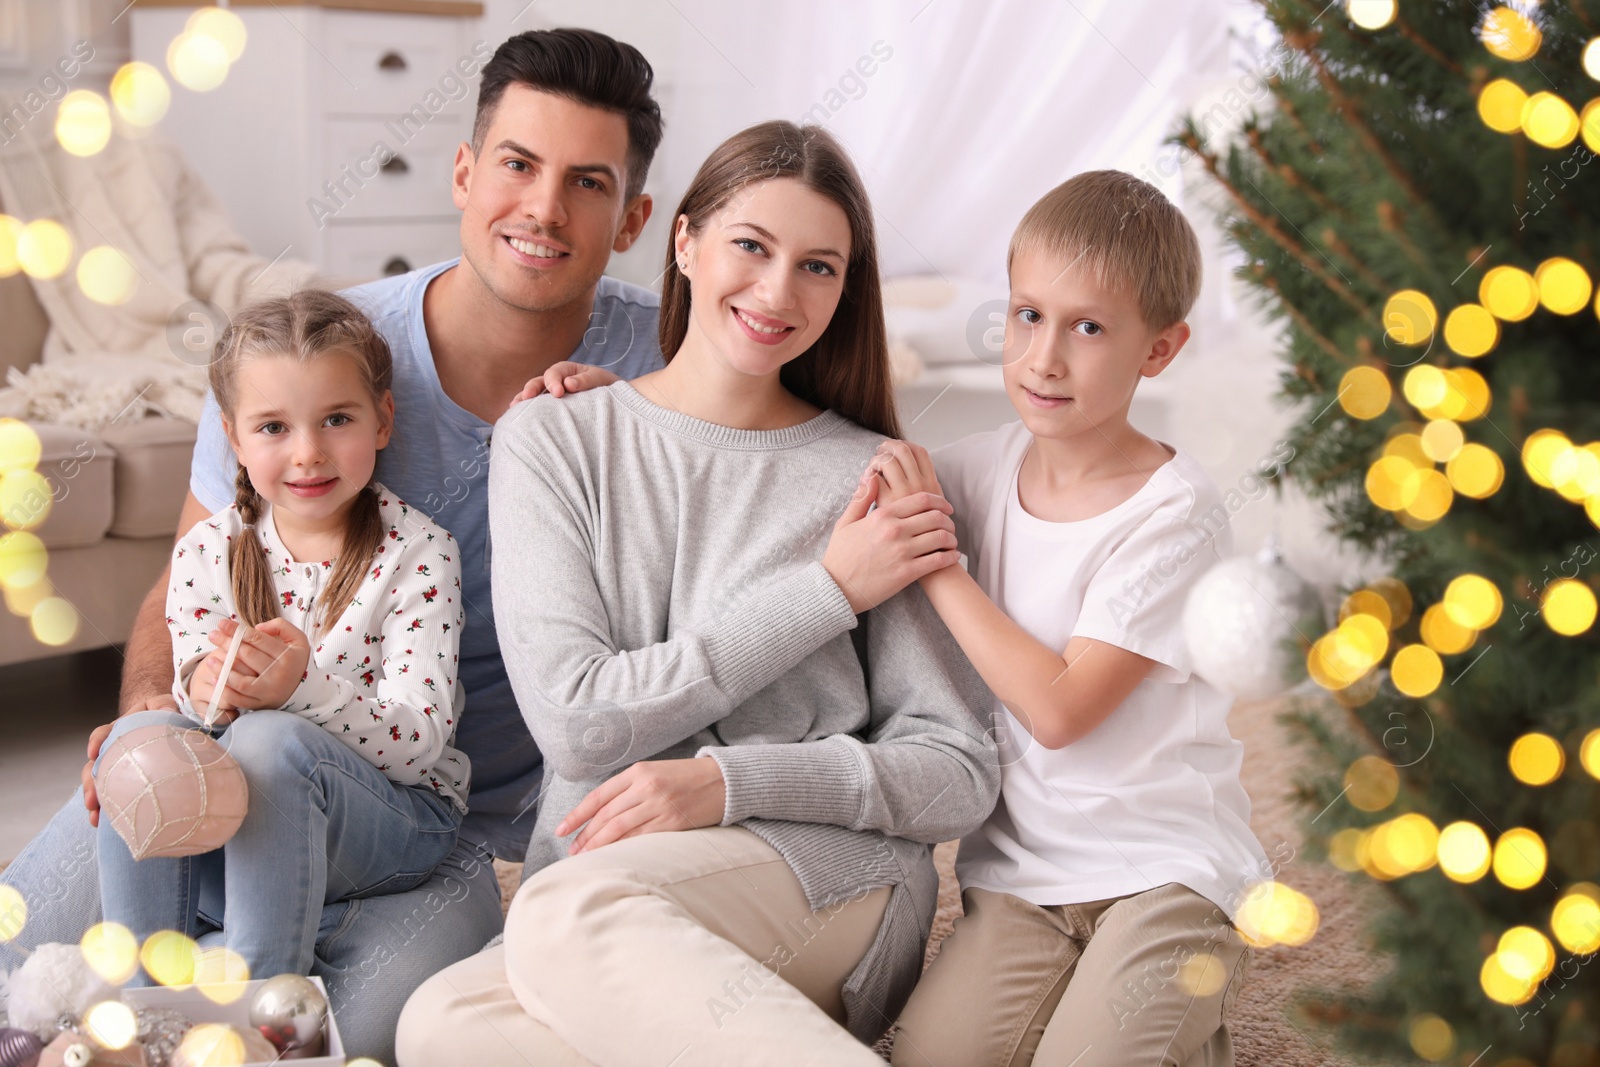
x=203 y=682
x=649 y=797
x=271 y=663
x=905 y=468
x=566 y=377
x=875 y=554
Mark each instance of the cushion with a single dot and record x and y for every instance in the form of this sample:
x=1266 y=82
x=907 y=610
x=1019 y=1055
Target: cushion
x=152 y=475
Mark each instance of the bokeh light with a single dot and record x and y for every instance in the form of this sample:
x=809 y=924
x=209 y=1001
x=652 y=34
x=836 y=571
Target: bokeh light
x=1431 y=1038
x=220 y=974
x=1519 y=858
x=111 y=951
x=197 y=61
x=1500 y=105
x=1549 y=121
x=22 y=599
x=1536 y=759
x=1591 y=59
x=1397 y=596
x=1371 y=783
x=1472 y=600
x=1575 y=919
x=1425 y=386
x=1409 y=317
x=1416 y=670
x=44 y=249
x=13 y=913
x=211 y=1045
x=1367 y=602
x=223 y=26
x=169 y=958
x=1276 y=914
x=1443 y=634
x=1364 y=392
x=1510 y=34
x=54 y=621
x=1526 y=954
x=1431 y=498
x=1500 y=986
x=1472 y=388
x=1540 y=452
x=1476 y=471
x=1442 y=439
x=1404 y=845
x=1510 y=293
x=111 y=1023
x=83 y=122
x=22 y=559
x=1568 y=607
x=106 y=276
x=1372 y=14
x=1464 y=852
x=1564 y=286
x=140 y=94
x=1471 y=331
x=20 y=447
x=1589 y=753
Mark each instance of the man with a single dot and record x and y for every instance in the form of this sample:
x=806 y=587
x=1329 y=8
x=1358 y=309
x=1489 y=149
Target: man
x=550 y=185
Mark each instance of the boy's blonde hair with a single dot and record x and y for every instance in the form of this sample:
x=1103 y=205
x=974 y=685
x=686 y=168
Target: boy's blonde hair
x=1126 y=234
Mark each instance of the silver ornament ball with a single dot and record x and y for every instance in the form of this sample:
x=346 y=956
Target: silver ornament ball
x=289 y=1011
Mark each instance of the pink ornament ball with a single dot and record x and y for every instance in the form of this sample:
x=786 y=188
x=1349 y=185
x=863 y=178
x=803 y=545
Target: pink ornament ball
x=170 y=791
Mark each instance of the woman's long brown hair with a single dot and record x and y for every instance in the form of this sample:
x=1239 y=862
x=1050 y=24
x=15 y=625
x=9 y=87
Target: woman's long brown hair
x=847 y=369
x=307 y=325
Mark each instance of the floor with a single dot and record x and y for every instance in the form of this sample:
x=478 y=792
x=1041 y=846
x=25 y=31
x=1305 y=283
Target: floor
x=50 y=707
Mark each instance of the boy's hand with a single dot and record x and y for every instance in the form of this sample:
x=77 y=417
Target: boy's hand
x=905 y=469
x=271 y=662
x=873 y=555
x=566 y=377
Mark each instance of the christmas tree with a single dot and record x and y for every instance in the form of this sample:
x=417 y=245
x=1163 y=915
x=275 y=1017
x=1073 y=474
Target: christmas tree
x=1420 y=204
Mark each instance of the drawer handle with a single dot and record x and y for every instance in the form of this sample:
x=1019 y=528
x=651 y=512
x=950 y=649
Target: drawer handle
x=397 y=265
x=392 y=61
x=395 y=165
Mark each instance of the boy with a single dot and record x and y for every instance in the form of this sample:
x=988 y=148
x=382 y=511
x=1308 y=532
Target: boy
x=1100 y=895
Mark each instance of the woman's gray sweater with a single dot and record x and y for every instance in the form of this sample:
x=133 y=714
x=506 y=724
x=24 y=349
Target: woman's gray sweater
x=659 y=594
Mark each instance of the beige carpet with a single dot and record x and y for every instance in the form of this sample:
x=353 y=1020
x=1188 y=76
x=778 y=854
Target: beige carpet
x=1266 y=1033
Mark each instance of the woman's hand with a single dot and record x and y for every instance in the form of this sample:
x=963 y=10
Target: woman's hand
x=649 y=797
x=566 y=377
x=875 y=554
x=269 y=668
x=905 y=468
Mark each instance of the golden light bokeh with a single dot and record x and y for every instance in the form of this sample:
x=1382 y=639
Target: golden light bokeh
x=1509 y=34
x=1540 y=452
x=44 y=249
x=20 y=447
x=1536 y=759
x=1476 y=471
x=1549 y=121
x=1591 y=58
x=1568 y=607
x=1390 y=484
x=83 y=122
x=1202 y=976
x=54 y=621
x=1442 y=439
x=13 y=913
x=1564 y=286
x=220 y=974
x=1371 y=783
x=1500 y=986
x=1397 y=596
x=22 y=559
x=1410 y=317
x=1589 y=753
x=169 y=958
x=1416 y=670
x=140 y=94
x=1367 y=602
x=1575 y=472
x=106 y=276
x=1430 y=497
x=1471 y=331
x=1404 y=845
x=1431 y=1038
x=111 y=1023
x=1526 y=954
x=1472 y=600
x=1590 y=118
x=1276 y=914
x=211 y=1045
x=1372 y=14
x=1519 y=858
x=1364 y=392
x=1425 y=386
x=22 y=599
x=223 y=26
x=1443 y=634
x=1407 y=446
x=1345 y=849
x=111 y=951
x=1510 y=293
x=198 y=61
x=1500 y=105
x=1464 y=852
x=1575 y=919
x=1473 y=389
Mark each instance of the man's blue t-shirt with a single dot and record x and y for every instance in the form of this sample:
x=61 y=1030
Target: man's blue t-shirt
x=438 y=461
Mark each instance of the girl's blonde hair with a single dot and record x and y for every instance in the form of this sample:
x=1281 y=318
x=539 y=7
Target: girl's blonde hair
x=307 y=325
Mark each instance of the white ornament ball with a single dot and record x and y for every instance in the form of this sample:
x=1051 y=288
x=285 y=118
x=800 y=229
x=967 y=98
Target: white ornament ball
x=170 y=791
x=1245 y=621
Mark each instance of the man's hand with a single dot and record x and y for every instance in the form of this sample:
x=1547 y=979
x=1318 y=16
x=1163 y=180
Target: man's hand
x=874 y=554
x=91 y=798
x=566 y=377
x=905 y=468
x=649 y=797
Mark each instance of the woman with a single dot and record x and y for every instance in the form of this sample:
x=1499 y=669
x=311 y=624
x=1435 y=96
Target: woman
x=743 y=780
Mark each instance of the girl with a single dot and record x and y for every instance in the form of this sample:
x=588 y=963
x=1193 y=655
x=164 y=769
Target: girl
x=342 y=703
x=751 y=743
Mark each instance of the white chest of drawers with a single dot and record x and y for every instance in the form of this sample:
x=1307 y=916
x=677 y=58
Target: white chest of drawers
x=333 y=137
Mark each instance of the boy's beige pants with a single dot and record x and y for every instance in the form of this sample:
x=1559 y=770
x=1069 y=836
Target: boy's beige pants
x=1140 y=980
x=649 y=952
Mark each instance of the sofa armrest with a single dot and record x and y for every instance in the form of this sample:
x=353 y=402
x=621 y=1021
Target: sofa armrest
x=26 y=324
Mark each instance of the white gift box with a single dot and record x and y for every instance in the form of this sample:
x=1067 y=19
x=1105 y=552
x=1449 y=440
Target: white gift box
x=197 y=1007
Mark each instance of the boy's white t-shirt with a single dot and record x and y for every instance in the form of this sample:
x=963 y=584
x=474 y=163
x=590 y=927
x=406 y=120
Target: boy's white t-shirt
x=1152 y=795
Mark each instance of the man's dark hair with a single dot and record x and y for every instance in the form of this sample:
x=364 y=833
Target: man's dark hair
x=584 y=66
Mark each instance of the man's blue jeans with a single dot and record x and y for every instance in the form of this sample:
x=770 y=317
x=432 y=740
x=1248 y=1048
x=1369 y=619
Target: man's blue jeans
x=371 y=952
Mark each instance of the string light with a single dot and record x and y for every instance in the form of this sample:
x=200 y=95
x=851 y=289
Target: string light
x=1364 y=392
x=1536 y=759
x=1500 y=105
x=1510 y=293
x=1509 y=34
x=1564 y=286
x=1568 y=607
